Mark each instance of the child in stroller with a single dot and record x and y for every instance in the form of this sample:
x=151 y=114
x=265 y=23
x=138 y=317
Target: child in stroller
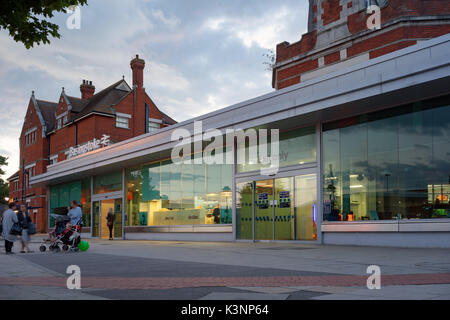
x=63 y=234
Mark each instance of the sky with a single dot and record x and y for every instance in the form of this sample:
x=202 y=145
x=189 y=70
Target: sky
x=201 y=55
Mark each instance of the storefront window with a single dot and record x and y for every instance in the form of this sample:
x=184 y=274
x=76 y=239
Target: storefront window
x=392 y=164
x=164 y=193
x=61 y=196
x=106 y=183
x=296 y=147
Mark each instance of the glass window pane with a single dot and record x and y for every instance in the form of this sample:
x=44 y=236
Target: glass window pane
x=296 y=147
x=244 y=211
x=106 y=183
x=394 y=164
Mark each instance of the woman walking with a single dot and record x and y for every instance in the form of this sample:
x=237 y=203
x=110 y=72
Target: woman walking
x=9 y=218
x=110 y=222
x=25 y=221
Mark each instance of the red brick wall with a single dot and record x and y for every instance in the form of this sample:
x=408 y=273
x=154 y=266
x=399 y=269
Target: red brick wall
x=34 y=153
x=398 y=8
x=331 y=11
x=376 y=43
x=286 y=51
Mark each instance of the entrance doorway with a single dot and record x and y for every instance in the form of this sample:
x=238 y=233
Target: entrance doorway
x=101 y=208
x=277 y=209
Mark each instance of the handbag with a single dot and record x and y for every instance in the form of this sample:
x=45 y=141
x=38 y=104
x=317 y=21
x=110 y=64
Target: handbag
x=16 y=229
x=31 y=228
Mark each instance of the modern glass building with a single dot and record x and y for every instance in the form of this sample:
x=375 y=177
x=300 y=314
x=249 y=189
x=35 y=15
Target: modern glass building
x=364 y=159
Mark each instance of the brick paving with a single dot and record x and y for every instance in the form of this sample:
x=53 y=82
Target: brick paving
x=126 y=283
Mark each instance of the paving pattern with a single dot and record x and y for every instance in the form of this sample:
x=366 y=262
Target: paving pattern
x=136 y=271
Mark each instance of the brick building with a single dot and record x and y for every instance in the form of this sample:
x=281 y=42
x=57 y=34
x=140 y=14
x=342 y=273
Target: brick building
x=52 y=130
x=338 y=36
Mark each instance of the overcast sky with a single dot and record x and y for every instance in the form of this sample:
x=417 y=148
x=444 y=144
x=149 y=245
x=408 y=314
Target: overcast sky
x=201 y=55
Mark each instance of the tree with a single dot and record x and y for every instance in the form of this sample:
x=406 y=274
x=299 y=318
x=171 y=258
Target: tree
x=28 y=20
x=4 y=185
x=270 y=62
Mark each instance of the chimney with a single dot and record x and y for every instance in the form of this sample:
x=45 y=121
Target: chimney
x=87 y=89
x=138 y=65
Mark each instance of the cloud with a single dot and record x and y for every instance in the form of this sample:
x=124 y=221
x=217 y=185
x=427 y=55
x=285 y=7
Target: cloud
x=200 y=56
x=170 y=21
x=261 y=30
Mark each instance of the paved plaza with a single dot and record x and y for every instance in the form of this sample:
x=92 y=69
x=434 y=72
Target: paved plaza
x=226 y=271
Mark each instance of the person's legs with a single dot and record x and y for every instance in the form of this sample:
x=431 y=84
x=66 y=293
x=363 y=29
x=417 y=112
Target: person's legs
x=110 y=232
x=8 y=246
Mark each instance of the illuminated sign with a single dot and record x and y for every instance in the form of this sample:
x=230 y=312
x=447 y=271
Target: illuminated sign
x=89 y=146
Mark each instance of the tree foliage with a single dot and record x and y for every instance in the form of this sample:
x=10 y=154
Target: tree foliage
x=28 y=21
x=4 y=185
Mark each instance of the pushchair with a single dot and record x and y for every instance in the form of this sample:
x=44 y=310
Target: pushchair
x=62 y=237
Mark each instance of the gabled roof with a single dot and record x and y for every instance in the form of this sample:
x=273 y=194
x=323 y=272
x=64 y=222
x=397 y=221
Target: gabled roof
x=103 y=100
x=166 y=119
x=47 y=110
x=15 y=176
x=77 y=103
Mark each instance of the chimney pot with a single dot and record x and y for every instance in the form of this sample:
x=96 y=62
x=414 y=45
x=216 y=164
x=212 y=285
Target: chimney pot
x=138 y=65
x=87 y=89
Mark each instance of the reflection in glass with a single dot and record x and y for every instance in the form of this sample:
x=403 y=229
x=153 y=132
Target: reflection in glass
x=244 y=211
x=164 y=194
x=306 y=207
x=296 y=147
x=264 y=210
x=393 y=164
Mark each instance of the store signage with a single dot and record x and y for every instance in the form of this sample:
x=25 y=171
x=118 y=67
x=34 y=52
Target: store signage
x=89 y=146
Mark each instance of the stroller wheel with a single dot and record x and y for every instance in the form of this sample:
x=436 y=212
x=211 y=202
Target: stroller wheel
x=57 y=249
x=42 y=248
x=65 y=247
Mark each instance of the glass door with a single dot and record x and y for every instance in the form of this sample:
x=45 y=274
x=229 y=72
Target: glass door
x=264 y=202
x=96 y=219
x=101 y=210
x=277 y=209
x=244 y=210
x=306 y=207
x=284 y=209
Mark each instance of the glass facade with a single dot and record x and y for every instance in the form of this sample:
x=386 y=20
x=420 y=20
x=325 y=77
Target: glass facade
x=393 y=164
x=164 y=193
x=277 y=209
x=296 y=147
x=61 y=195
x=110 y=182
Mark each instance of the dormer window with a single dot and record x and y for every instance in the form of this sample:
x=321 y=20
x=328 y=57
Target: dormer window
x=59 y=125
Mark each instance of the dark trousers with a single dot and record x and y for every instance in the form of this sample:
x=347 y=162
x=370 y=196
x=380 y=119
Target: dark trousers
x=8 y=245
x=110 y=231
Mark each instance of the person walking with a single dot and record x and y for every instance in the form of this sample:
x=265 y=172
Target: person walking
x=9 y=218
x=25 y=222
x=110 y=222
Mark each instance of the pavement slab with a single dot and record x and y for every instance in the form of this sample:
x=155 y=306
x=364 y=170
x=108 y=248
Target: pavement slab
x=162 y=270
